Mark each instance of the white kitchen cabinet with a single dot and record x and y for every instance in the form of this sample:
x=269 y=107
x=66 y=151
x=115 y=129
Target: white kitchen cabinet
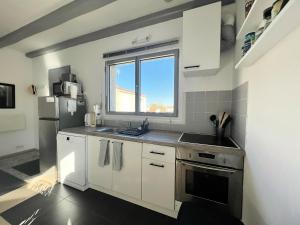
x=158 y=183
x=158 y=175
x=71 y=160
x=201 y=39
x=147 y=173
x=159 y=152
x=99 y=176
x=128 y=180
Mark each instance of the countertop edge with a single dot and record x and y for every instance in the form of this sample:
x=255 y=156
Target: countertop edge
x=170 y=139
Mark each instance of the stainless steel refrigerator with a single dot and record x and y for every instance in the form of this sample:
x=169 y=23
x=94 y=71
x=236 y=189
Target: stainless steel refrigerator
x=56 y=113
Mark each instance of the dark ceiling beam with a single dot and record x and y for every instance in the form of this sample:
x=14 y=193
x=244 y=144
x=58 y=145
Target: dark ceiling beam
x=151 y=19
x=227 y=2
x=63 y=14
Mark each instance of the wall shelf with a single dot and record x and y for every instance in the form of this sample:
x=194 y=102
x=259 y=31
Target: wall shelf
x=255 y=16
x=287 y=20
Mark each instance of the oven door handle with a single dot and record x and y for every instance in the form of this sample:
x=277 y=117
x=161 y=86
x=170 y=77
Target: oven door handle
x=208 y=167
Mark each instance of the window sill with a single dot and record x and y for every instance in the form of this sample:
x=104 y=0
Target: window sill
x=155 y=119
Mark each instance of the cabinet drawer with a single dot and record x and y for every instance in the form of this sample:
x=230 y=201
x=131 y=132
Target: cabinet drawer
x=158 y=183
x=158 y=152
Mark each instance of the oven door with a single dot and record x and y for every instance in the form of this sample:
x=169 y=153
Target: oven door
x=223 y=186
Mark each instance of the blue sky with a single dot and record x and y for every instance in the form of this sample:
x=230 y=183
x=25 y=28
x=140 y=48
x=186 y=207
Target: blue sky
x=157 y=79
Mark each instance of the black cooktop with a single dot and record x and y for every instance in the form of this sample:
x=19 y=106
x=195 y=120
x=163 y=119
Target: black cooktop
x=207 y=140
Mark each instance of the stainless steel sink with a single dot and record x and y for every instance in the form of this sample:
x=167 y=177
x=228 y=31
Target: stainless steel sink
x=104 y=129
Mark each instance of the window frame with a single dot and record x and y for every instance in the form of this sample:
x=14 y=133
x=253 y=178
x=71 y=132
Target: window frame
x=137 y=60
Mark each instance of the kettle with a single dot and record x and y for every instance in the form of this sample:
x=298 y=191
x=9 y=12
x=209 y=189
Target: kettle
x=90 y=119
x=97 y=111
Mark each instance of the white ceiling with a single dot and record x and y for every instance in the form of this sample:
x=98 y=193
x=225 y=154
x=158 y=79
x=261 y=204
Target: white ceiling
x=17 y=13
x=112 y=14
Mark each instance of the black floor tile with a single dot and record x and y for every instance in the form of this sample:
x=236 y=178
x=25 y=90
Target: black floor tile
x=67 y=206
x=29 y=168
x=118 y=211
x=30 y=208
x=66 y=213
x=63 y=190
x=9 y=183
x=101 y=204
x=62 y=213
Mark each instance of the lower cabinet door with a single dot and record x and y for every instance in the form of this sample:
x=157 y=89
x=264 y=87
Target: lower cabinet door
x=100 y=176
x=158 y=183
x=71 y=155
x=128 y=180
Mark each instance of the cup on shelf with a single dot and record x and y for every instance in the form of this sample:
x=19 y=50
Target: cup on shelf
x=248 y=6
x=249 y=41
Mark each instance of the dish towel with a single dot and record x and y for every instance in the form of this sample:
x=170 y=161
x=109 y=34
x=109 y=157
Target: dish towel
x=103 y=153
x=117 y=156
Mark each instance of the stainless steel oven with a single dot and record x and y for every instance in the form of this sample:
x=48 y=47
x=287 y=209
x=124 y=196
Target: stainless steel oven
x=210 y=176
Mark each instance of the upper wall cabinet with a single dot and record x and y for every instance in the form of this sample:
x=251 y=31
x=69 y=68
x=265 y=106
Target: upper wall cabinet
x=201 y=39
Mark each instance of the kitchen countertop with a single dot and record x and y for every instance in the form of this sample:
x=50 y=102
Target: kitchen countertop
x=166 y=138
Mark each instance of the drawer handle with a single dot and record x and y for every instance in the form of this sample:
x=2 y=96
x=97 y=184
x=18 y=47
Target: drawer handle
x=157 y=165
x=191 y=67
x=157 y=153
x=206 y=155
x=68 y=138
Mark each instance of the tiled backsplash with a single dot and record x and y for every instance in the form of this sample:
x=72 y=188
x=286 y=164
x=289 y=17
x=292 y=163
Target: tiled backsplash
x=199 y=107
x=239 y=114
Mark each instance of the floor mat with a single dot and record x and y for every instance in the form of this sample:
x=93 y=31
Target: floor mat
x=29 y=168
x=9 y=183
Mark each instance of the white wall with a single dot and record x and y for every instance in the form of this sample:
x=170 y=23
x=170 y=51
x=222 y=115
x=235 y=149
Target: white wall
x=86 y=61
x=17 y=69
x=221 y=81
x=272 y=166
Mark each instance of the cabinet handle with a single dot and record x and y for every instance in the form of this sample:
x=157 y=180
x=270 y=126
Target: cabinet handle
x=117 y=142
x=191 y=67
x=157 y=165
x=157 y=153
x=68 y=138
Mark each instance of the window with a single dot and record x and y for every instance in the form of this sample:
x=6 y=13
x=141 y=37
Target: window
x=122 y=87
x=143 y=85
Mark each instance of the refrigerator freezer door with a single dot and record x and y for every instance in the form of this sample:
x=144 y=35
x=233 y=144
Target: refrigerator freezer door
x=68 y=120
x=47 y=142
x=48 y=107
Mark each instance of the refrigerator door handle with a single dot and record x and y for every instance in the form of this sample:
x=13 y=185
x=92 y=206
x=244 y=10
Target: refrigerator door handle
x=57 y=126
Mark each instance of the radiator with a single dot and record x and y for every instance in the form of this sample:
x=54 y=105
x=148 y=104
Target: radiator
x=12 y=122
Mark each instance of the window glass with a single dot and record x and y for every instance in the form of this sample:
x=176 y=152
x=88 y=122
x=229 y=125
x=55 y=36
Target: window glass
x=157 y=85
x=122 y=87
x=156 y=76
